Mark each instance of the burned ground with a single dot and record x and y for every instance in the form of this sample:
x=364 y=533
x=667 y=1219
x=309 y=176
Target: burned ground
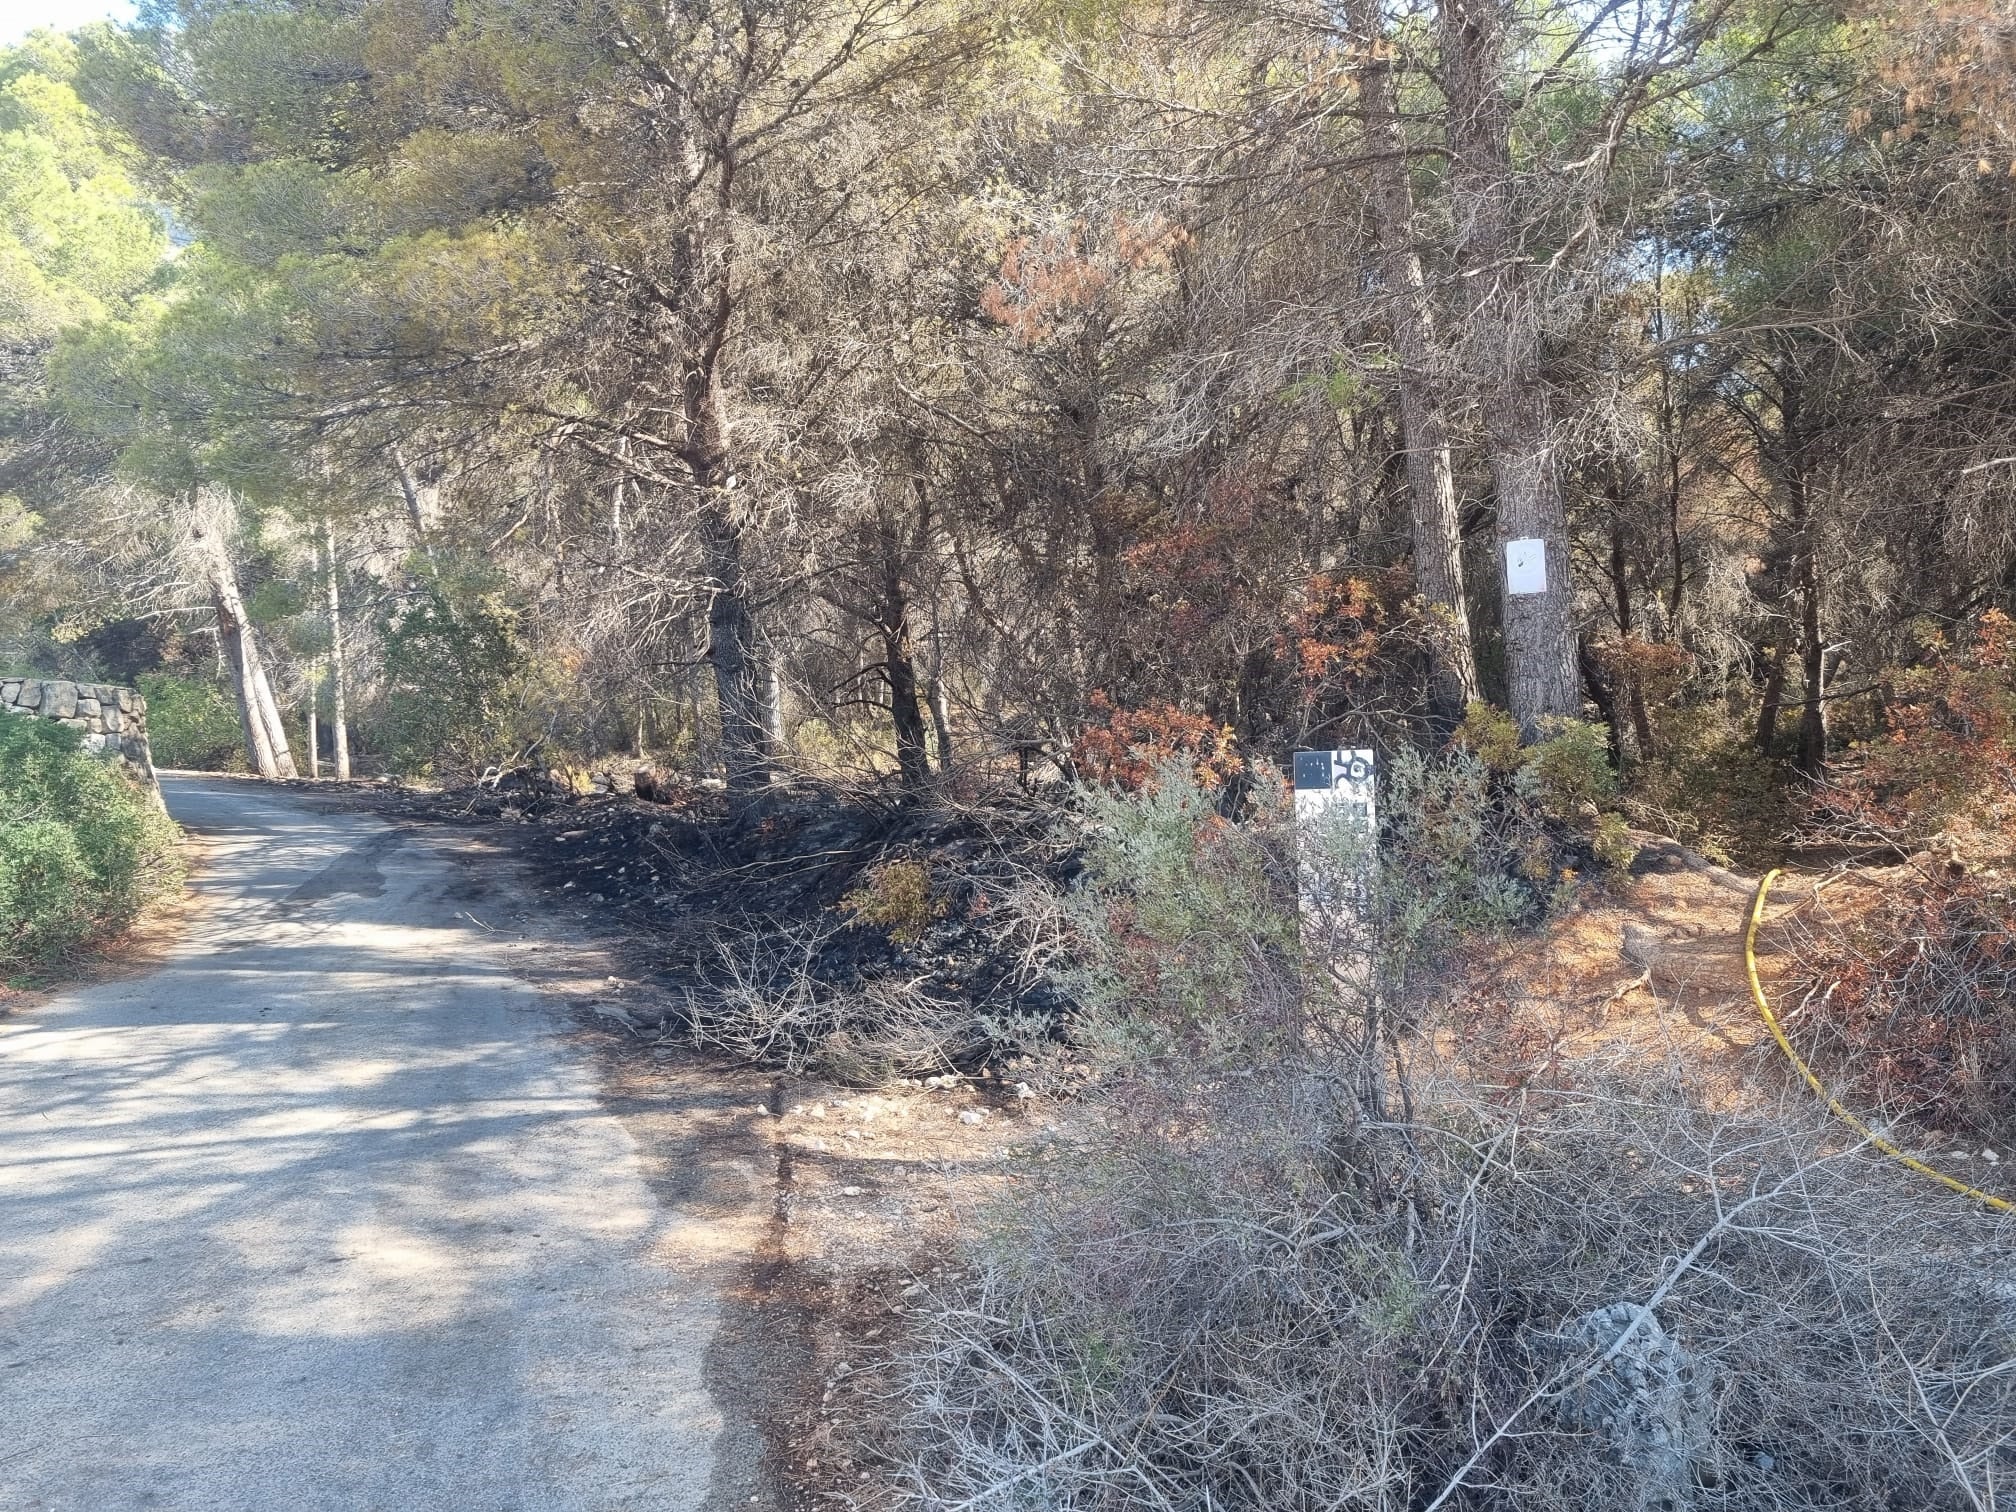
x=766 y=930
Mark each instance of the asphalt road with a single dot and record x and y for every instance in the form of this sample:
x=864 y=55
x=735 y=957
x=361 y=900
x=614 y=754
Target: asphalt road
x=326 y=1213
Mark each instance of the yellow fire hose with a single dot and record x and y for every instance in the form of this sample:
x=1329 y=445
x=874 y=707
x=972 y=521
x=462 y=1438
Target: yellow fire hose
x=2000 y=1204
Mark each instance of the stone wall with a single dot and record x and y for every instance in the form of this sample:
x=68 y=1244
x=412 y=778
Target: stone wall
x=114 y=720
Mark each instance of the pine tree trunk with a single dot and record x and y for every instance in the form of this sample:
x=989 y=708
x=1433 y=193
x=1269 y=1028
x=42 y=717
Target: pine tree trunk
x=1812 y=662
x=899 y=671
x=1431 y=481
x=269 y=709
x=418 y=497
x=258 y=714
x=1774 y=696
x=339 y=721
x=941 y=714
x=314 y=734
x=735 y=652
x=1539 y=627
x=742 y=686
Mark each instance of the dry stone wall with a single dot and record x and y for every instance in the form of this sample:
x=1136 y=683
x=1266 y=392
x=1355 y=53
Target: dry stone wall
x=113 y=719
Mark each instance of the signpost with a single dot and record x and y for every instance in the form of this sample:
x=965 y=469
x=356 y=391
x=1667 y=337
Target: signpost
x=1334 y=788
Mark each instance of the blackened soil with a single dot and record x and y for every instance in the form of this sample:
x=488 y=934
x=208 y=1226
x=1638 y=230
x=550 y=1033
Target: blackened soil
x=671 y=880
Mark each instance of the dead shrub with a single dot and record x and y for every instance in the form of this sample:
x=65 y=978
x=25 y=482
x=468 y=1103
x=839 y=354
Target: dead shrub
x=1252 y=1303
x=1911 y=1006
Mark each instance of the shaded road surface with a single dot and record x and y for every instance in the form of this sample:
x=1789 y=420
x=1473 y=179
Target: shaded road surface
x=325 y=1213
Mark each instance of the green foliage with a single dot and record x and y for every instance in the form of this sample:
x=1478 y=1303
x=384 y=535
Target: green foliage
x=18 y=523
x=1194 y=937
x=1492 y=736
x=192 y=723
x=897 y=896
x=1188 y=921
x=1612 y=843
x=74 y=237
x=82 y=849
x=1570 y=770
x=274 y=600
x=455 y=674
x=1566 y=779
x=1456 y=857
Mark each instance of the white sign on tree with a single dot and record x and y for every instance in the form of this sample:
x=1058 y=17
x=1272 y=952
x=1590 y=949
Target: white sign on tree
x=1526 y=566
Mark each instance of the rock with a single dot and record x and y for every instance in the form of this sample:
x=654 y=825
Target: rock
x=1649 y=1400
x=973 y=1116
x=30 y=696
x=59 y=700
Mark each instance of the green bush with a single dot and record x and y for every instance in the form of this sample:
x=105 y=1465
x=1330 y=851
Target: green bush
x=1569 y=769
x=192 y=723
x=455 y=670
x=1566 y=777
x=82 y=849
x=897 y=896
x=1193 y=939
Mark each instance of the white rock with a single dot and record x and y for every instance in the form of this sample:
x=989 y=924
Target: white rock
x=973 y=1116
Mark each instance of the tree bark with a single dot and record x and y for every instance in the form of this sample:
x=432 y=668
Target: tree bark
x=339 y=720
x=899 y=671
x=1774 y=696
x=258 y=714
x=733 y=650
x=1539 y=627
x=419 y=496
x=941 y=714
x=1431 y=480
x=1620 y=586
x=1812 y=659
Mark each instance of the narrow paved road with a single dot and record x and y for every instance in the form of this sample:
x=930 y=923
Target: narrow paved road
x=325 y=1213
